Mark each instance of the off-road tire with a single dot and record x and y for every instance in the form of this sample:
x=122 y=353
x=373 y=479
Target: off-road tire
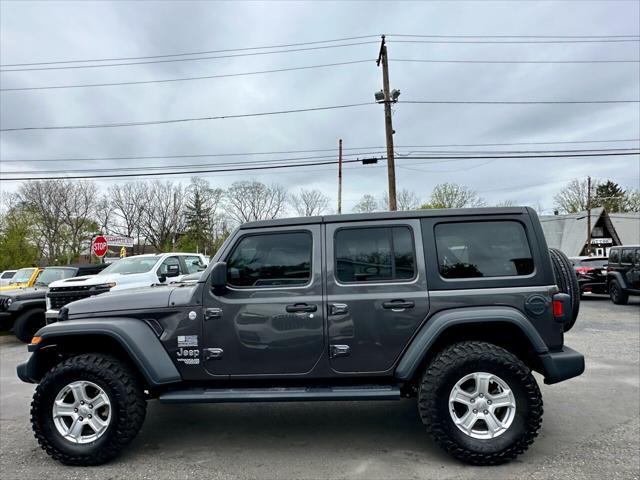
x=127 y=403
x=617 y=294
x=28 y=323
x=567 y=282
x=452 y=364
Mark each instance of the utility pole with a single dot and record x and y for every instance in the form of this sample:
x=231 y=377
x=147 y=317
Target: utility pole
x=339 y=176
x=588 y=216
x=391 y=166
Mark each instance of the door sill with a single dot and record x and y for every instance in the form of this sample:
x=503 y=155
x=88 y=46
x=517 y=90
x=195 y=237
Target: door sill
x=287 y=394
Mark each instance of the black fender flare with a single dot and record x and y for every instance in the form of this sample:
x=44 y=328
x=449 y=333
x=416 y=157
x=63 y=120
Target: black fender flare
x=618 y=277
x=20 y=306
x=138 y=340
x=441 y=321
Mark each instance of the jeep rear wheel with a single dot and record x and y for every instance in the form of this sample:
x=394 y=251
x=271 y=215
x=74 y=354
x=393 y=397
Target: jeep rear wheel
x=617 y=295
x=87 y=409
x=480 y=403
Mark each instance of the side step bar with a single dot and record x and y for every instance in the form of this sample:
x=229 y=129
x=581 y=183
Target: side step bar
x=292 y=394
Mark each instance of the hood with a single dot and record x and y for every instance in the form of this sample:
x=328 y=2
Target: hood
x=25 y=293
x=80 y=280
x=133 y=299
x=13 y=286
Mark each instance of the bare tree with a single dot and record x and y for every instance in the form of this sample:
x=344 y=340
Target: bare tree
x=78 y=206
x=506 y=203
x=308 y=203
x=366 y=204
x=452 y=195
x=104 y=214
x=44 y=200
x=128 y=205
x=163 y=217
x=253 y=200
x=405 y=200
x=573 y=197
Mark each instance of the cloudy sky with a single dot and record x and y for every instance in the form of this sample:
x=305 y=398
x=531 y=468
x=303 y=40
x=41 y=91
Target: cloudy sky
x=58 y=31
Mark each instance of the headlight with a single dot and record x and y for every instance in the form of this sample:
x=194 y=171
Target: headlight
x=8 y=302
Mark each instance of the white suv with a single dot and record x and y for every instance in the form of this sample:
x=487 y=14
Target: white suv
x=132 y=272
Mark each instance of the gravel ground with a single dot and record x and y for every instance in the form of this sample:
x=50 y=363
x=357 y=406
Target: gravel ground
x=591 y=427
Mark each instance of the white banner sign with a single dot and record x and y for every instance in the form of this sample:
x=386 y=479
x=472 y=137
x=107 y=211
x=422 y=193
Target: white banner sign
x=601 y=241
x=119 y=241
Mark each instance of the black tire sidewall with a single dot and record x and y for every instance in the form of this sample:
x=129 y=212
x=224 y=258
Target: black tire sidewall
x=45 y=415
x=516 y=430
x=27 y=324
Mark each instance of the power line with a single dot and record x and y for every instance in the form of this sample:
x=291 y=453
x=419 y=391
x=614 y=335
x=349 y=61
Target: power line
x=167 y=80
x=536 y=102
x=270 y=167
x=184 y=54
x=446 y=158
x=192 y=119
x=286 y=45
x=617 y=40
x=285 y=152
x=542 y=62
x=68 y=67
x=314 y=109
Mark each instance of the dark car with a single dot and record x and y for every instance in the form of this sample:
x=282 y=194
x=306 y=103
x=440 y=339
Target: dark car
x=623 y=273
x=22 y=309
x=591 y=273
x=456 y=308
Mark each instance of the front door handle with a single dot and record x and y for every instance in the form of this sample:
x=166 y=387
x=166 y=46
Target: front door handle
x=398 y=305
x=301 y=307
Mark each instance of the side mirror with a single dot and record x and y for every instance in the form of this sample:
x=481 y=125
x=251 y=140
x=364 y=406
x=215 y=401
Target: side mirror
x=173 y=270
x=219 y=275
x=162 y=277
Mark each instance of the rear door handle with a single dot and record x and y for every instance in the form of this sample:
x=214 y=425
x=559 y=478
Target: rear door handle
x=398 y=304
x=301 y=307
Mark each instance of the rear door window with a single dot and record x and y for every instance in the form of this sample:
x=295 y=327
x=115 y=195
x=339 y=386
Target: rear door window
x=483 y=249
x=627 y=256
x=374 y=254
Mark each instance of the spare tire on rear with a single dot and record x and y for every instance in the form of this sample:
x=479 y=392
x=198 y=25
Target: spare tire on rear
x=567 y=282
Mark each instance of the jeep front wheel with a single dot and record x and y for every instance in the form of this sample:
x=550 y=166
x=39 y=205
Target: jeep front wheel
x=480 y=403
x=87 y=409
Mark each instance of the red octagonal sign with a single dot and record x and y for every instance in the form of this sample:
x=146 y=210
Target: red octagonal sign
x=99 y=246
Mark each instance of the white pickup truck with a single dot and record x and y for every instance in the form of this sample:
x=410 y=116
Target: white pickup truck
x=132 y=272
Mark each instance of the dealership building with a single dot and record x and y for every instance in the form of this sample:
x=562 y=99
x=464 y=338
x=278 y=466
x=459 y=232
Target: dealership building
x=569 y=233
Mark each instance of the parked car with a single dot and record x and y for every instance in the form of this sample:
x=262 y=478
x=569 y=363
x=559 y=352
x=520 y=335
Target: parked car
x=25 y=277
x=623 y=273
x=454 y=307
x=592 y=273
x=6 y=276
x=22 y=309
x=132 y=272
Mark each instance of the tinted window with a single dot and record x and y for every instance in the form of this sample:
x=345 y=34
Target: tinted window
x=271 y=260
x=483 y=249
x=6 y=275
x=627 y=256
x=374 y=254
x=614 y=256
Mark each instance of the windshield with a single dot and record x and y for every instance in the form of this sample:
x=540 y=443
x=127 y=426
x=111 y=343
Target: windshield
x=23 y=275
x=49 y=275
x=131 y=265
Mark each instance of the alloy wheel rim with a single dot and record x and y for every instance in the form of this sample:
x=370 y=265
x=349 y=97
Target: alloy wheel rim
x=81 y=412
x=482 y=405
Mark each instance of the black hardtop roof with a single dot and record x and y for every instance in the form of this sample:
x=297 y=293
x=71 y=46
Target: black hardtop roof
x=82 y=266
x=361 y=217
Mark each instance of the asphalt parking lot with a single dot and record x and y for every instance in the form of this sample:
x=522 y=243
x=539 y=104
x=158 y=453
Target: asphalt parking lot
x=590 y=430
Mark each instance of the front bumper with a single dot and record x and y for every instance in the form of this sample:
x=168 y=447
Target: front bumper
x=562 y=365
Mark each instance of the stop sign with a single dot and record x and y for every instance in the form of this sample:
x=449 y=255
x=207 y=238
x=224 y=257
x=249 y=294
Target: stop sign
x=99 y=246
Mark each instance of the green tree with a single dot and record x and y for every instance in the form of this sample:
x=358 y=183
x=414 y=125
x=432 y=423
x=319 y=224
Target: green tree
x=17 y=249
x=610 y=196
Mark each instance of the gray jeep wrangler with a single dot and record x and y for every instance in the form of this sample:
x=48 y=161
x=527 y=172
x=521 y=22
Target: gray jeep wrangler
x=453 y=307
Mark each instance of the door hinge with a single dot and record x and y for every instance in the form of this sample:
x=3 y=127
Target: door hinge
x=339 y=350
x=211 y=313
